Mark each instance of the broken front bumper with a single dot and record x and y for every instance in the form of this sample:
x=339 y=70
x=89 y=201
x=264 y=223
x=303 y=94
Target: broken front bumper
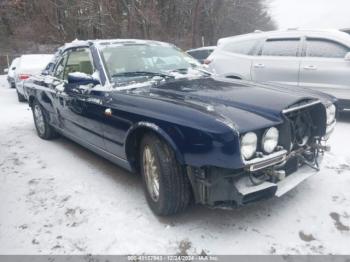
x=250 y=191
x=222 y=188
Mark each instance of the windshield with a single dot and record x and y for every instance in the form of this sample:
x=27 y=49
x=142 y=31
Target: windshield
x=130 y=60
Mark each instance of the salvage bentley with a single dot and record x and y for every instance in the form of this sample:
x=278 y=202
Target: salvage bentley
x=150 y=108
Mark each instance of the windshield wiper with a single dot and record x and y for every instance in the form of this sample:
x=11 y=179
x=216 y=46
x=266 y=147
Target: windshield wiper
x=143 y=73
x=185 y=70
x=179 y=70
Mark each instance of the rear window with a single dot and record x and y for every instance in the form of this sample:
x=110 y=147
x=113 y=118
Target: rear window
x=34 y=62
x=325 y=48
x=244 y=47
x=200 y=54
x=281 y=47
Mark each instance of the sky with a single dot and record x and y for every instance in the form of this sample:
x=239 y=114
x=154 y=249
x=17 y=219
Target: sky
x=311 y=13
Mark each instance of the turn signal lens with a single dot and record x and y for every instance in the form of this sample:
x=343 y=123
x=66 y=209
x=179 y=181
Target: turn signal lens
x=249 y=143
x=270 y=140
x=23 y=76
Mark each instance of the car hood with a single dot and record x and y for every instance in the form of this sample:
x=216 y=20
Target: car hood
x=242 y=104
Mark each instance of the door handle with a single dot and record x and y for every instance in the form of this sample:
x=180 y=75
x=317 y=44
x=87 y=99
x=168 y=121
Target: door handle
x=310 y=67
x=259 y=65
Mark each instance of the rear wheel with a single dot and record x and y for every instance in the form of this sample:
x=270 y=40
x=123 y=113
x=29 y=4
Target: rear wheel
x=20 y=97
x=166 y=184
x=43 y=128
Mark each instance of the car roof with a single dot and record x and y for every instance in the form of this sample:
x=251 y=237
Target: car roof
x=34 y=61
x=103 y=42
x=324 y=33
x=202 y=48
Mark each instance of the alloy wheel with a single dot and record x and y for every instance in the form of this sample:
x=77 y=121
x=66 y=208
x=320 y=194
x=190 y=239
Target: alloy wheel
x=39 y=119
x=151 y=173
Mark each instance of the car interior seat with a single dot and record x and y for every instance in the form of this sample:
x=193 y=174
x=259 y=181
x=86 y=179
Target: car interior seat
x=86 y=67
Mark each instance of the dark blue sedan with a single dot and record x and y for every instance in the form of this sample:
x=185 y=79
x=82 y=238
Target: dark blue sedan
x=152 y=109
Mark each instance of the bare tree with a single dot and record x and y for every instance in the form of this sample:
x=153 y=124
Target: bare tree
x=26 y=23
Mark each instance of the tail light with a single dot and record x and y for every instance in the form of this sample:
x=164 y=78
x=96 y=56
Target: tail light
x=207 y=61
x=23 y=76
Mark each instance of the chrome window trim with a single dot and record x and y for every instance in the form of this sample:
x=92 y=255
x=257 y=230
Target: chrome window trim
x=108 y=82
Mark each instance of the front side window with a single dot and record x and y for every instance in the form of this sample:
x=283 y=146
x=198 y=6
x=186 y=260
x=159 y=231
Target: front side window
x=281 y=47
x=121 y=59
x=325 y=48
x=244 y=47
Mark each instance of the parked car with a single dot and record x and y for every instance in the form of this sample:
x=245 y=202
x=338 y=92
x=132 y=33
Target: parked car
x=201 y=53
x=317 y=59
x=151 y=109
x=29 y=65
x=11 y=72
x=345 y=30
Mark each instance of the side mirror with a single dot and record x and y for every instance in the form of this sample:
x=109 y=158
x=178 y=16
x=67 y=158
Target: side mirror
x=347 y=57
x=78 y=79
x=6 y=70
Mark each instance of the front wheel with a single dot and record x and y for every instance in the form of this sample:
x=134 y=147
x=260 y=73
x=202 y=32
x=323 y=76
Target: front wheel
x=43 y=128
x=166 y=184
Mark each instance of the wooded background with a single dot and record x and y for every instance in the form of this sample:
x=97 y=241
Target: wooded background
x=42 y=25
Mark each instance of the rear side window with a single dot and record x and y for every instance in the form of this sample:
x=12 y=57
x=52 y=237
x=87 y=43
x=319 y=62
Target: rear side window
x=281 y=47
x=199 y=54
x=244 y=47
x=325 y=48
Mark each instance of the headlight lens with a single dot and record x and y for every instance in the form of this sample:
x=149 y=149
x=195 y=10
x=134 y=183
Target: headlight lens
x=270 y=140
x=331 y=112
x=248 y=145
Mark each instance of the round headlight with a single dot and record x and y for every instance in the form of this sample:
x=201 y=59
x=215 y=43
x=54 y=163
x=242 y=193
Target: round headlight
x=331 y=112
x=270 y=140
x=248 y=145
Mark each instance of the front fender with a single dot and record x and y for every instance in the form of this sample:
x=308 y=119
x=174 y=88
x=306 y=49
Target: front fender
x=139 y=128
x=191 y=146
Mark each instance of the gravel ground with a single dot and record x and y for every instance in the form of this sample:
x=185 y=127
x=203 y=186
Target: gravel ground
x=58 y=198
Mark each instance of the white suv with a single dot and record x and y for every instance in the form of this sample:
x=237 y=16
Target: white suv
x=317 y=59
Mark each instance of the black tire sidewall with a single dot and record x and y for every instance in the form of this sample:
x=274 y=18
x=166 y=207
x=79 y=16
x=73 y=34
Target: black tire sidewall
x=21 y=98
x=174 y=186
x=49 y=132
x=35 y=103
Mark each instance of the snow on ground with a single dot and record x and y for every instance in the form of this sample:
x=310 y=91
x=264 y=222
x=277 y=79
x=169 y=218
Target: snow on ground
x=58 y=198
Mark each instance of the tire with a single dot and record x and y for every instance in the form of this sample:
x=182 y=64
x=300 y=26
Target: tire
x=20 y=97
x=41 y=121
x=174 y=192
x=12 y=85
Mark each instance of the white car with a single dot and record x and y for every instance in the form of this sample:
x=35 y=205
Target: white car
x=29 y=65
x=11 y=72
x=317 y=59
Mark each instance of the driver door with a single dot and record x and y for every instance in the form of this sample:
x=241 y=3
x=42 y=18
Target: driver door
x=80 y=112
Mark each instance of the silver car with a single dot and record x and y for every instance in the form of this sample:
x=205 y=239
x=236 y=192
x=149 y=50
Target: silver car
x=317 y=59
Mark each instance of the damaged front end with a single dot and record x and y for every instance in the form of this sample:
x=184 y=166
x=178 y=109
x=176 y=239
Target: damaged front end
x=297 y=156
